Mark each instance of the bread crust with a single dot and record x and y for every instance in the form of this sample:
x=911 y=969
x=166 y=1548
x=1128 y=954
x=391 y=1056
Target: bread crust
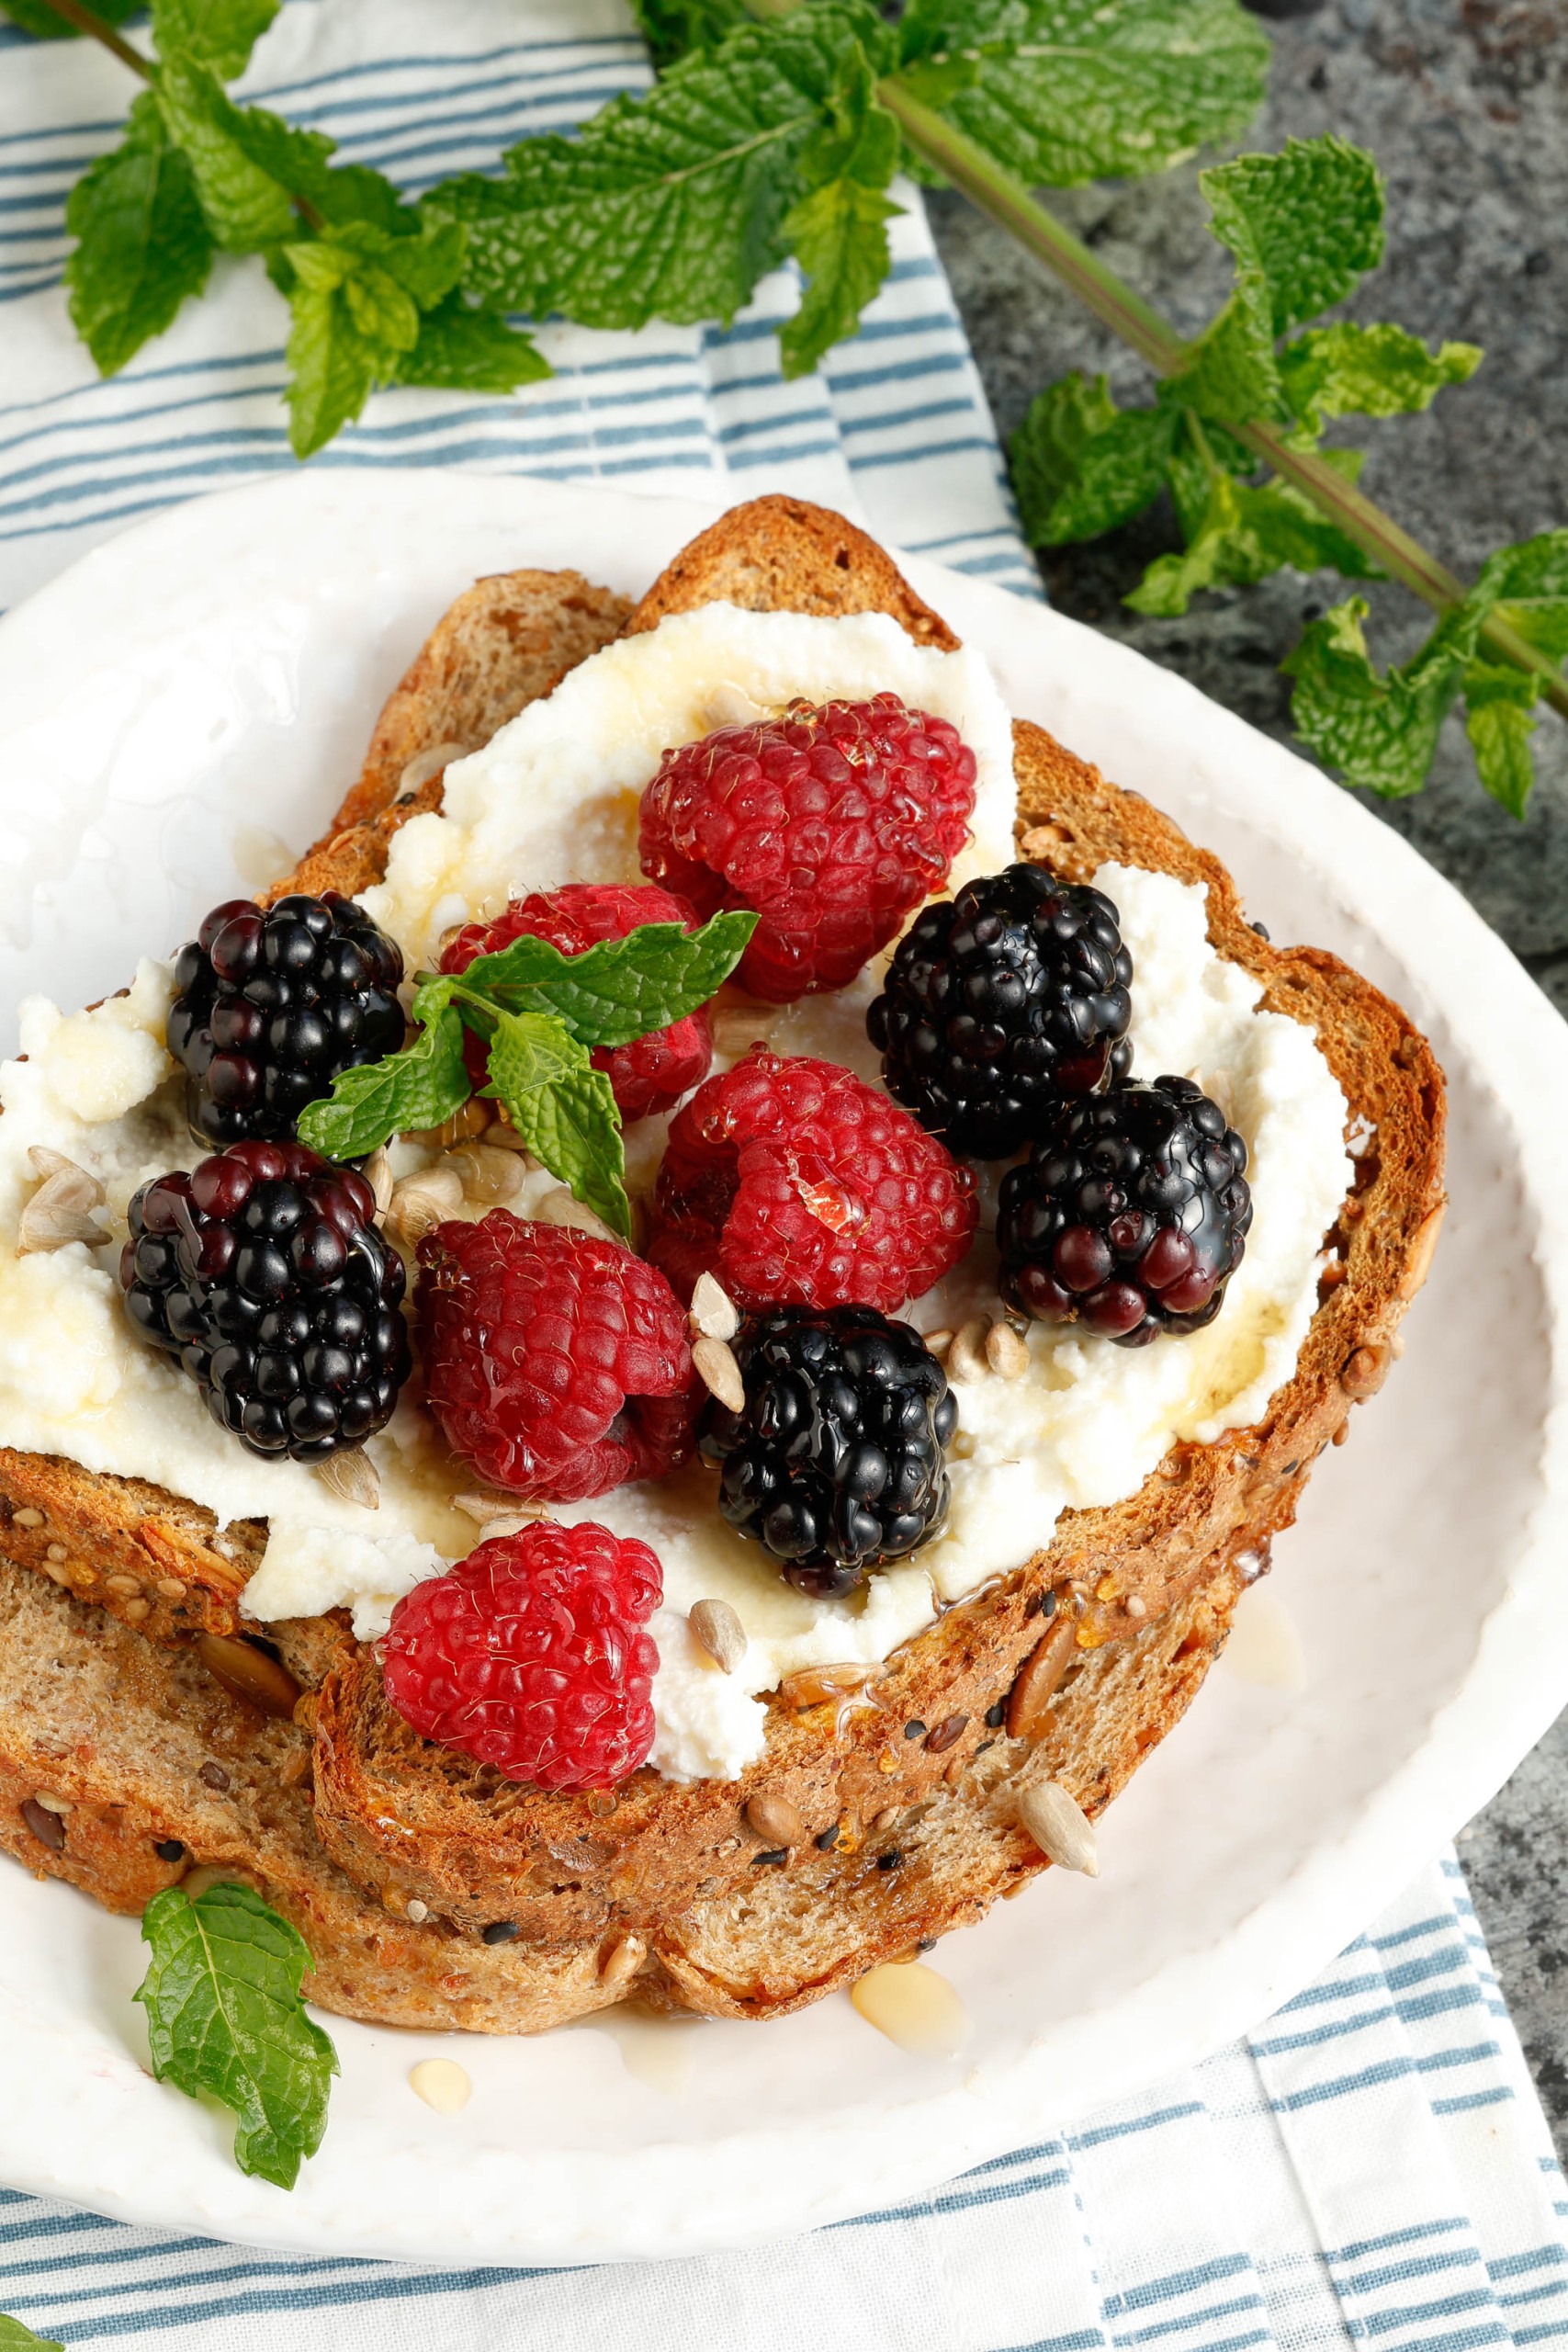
x=656 y=1869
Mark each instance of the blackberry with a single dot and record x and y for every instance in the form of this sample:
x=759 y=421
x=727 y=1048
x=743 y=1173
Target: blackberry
x=262 y=1272
x=1000 y=1002
x=271 y=1007
x=838 y=1463
x=1130 y=1214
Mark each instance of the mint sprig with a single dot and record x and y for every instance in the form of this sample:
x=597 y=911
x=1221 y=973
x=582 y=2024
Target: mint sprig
x=1303 y=227
x=225 y=2014
x=540 y=1014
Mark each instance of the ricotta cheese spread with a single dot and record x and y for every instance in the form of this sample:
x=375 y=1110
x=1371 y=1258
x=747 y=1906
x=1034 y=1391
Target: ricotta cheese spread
x=554 y=799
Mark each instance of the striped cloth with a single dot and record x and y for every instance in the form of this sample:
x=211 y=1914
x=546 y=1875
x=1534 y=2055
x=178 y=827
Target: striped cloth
x=893 y=430
x=1372 y=2163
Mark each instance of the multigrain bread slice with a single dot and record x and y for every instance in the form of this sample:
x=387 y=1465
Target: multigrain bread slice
x=123 y=1766
x=671 y=1877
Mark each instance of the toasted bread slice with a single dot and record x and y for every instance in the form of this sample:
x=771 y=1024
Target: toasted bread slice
x=1140 y=1592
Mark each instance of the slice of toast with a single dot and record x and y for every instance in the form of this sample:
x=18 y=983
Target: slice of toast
x=666 y=1887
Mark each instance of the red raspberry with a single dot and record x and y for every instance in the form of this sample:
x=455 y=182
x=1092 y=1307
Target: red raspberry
x=833 y=821
x=555 y=1362
x=530 y=1655
x=798 y=1185
x=651 y=1073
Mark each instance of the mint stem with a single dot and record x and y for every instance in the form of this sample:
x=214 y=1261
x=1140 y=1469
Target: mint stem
x=96 y=29
x=74 y=13
x=1136 y=322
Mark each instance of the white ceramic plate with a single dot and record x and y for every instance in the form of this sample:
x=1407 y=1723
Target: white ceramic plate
x=207 y=683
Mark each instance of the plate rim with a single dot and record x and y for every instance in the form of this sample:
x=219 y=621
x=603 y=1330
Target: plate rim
x=1508 y=1695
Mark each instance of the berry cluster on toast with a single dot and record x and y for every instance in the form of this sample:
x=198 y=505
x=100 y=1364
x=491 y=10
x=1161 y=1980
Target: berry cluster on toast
x=510 y=1882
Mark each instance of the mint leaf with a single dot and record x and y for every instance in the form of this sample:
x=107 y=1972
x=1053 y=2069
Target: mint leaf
x=463 y=350
x=1080 y=466
x=564 y=1110
x=1308 y=220
x=1498 y=718
x=36 y=17
x=671 y=205
x=674 y=27
x=617 y=990
x=1233 y=374
x=142 y=242
x=1380 y=730
x=15 y=2337
x=248 y=164
x=1245 y=533
x=375 y=1101
x=331 y=368
x=356 y=297
x=837 y=232
x=1343 y=371
x=224 y=2014
x=1064 y=91
x=220 y=33
x=425 y=257
x=1533 y=571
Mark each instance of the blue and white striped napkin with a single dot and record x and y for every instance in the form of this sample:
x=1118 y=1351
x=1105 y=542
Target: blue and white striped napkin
x=1372 y=2163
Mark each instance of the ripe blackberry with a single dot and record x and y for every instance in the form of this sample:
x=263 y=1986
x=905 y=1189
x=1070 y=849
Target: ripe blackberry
x=834 y=821
x=272 y=1006
x=1000 y=1002
x=838 y=1463
x=1130 y=1214
x=651 y=1073
x=262 y=1271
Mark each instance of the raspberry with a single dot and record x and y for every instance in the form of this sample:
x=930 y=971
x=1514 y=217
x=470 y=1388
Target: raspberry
x=556 y=1362
x=838 y=1462
x=273 y=1007
x=798 y=1185
x=1130 y=1214
x=531 y=1656
x=651 y=1073
x=263 y=1273
x=831 y=821
x=999 y=1001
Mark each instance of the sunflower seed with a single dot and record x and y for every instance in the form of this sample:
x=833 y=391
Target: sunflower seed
x=561 y=1207
x=377 y=1173
x=1059 y=1827
x=420 y=1202
x=966 y=1356
x=424 y=765
x=1006 y=1352
x=716 y=1629
x=353 y=1475
x=57 y=1212
x=719 y=1373
x=714 y=1312
x=488 y=1173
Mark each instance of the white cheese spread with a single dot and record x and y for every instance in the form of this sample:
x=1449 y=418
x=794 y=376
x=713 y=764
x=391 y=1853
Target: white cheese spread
x=553 y=799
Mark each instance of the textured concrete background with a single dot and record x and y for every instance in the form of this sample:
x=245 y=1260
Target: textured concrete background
x=1465 y=104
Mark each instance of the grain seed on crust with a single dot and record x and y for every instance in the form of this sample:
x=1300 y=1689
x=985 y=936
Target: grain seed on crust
x=775 y=1820
x=1059 y=1827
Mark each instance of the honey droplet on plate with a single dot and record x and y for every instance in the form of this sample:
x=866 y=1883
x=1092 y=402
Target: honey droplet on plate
x=915 y=2007
x=1264 y=1645
x=442 y=2084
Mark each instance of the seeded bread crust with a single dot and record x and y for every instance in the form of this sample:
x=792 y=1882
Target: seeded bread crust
x=677 y=1871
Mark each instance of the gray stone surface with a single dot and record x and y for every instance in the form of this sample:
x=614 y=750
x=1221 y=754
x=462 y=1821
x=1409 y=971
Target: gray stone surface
x=1465 y=104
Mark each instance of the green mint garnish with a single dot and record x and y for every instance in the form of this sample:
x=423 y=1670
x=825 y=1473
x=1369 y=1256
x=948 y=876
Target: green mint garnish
x=15 y=2337
x=225 y=2014
x=541 y=1014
